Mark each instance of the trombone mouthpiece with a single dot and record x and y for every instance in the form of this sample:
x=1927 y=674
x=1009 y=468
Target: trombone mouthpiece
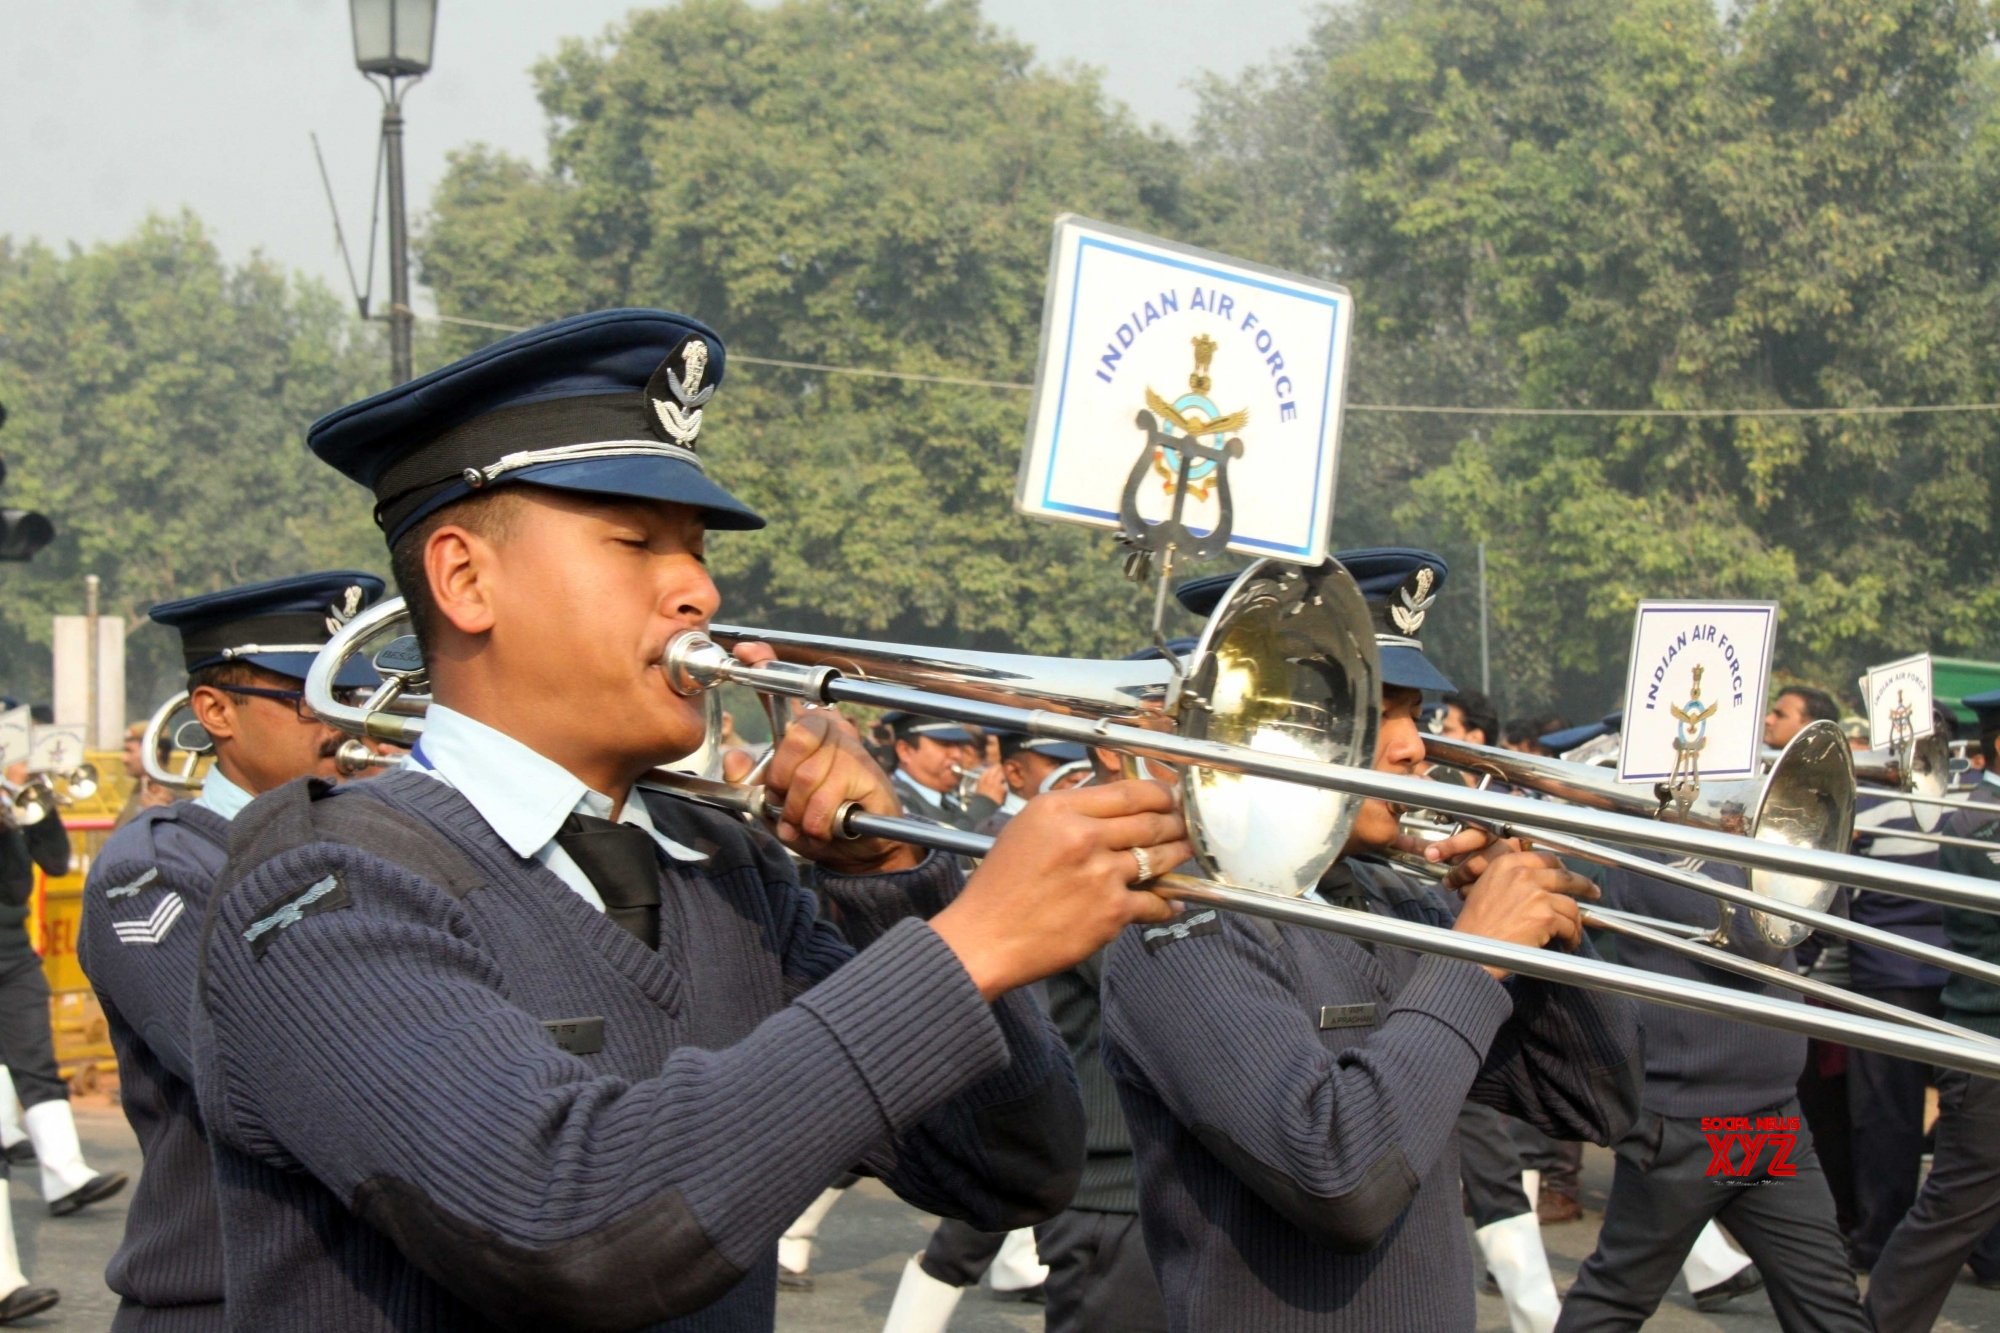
x=695 y=663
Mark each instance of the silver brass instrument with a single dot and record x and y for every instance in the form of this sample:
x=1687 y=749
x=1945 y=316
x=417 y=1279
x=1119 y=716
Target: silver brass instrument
x=1805 y=801
x=1271 y=727
x=189 y=739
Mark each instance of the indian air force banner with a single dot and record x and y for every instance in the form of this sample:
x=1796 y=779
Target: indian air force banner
x=1899 y=701
x=1694 y=702
x=1190 y=390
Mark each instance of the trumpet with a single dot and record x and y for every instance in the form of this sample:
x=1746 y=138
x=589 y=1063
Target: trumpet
x=36 y=799
x=1271 y=724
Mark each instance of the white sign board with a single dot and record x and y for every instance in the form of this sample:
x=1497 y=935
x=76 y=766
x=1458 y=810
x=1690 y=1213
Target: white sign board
x=1899 y=701
x=1145 y=343
x=15 y=725
x=55 y=749
x=1694 y=701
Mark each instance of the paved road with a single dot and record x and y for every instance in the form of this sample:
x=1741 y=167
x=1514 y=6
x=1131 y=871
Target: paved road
x=863 y=1247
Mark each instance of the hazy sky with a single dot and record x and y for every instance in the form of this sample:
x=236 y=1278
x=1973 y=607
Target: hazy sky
x=110 y=109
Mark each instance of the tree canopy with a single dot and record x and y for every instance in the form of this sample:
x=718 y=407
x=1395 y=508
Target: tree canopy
x=157 y=400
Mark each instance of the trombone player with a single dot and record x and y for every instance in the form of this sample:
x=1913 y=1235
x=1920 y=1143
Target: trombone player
x=505 y=1038
x=1292 y=1094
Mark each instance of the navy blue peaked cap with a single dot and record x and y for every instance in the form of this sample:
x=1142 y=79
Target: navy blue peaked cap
x=608 y=403
x=1561 y=742
x=909 y=726
x=278 y=625
x=1020 y=742
x=1399 y=584
x=1987 y=707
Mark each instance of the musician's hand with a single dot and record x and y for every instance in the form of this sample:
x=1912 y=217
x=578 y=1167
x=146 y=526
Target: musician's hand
x=1466 y=854
x=820 y=765
x=17 y=774
x=1058 y=885
x=1526 y=898
x=992 y=784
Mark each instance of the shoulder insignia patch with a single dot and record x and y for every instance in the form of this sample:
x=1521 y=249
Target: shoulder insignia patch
x=322 y=895
x=128 y=889
x=1204 y=922
x=152 y=928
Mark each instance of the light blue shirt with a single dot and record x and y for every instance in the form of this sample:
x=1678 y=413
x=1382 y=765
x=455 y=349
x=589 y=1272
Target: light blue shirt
x=934 y=799
x=523 y=796
x=220 y=795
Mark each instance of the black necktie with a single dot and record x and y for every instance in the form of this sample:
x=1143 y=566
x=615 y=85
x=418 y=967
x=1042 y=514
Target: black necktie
x=619 y=861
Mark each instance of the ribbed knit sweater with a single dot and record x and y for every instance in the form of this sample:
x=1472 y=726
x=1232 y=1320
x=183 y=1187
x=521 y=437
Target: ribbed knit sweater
x=1293 y=1096
x=140 y=945
x=1701 y=1064
x=403 y=1143
x=1871 y=968
x=1975 y=1004
x=1110 y=1181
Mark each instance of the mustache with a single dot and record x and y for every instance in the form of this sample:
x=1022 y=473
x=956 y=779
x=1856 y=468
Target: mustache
x=330 y=747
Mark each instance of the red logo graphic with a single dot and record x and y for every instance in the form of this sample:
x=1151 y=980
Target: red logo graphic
x=1736 y=1144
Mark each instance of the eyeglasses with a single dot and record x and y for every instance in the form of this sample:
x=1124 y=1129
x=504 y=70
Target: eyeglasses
x=297 y=698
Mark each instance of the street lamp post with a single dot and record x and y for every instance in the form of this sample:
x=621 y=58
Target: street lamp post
x=392 y=40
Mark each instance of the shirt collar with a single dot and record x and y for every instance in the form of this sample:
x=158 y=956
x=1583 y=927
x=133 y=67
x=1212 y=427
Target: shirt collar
x=1989 y=779
x=934 y=799
x=522 y=795
x=220 y=795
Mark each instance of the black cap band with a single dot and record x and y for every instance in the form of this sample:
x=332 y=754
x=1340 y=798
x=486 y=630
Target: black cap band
x=549 y=423
x=204 y=645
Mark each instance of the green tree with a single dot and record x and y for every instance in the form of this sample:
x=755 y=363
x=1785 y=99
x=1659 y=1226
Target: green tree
x=1564 y=204
x=157 y=402
x=848 y=182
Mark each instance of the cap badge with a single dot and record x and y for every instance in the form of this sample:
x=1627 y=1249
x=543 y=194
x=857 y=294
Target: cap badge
x=1409 y=617
x=677 y=399
x=343 y=610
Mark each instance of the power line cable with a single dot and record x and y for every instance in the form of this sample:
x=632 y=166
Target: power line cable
x=1406 y=409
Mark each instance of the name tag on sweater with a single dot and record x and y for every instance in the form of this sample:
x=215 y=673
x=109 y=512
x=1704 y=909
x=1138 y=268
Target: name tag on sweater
x=578 y=1036
x=1346 y=1016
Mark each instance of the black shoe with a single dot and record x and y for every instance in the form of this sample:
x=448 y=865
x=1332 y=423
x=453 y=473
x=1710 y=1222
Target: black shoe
x=1986 y=1283
x=790 y=1281
x=1746 y=1280
x=1035 y=1295
x=95 y=1190
x=21 y=1154
x=24 y=1301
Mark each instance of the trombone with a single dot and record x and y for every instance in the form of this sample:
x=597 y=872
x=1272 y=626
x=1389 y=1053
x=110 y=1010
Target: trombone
x=1268 y=720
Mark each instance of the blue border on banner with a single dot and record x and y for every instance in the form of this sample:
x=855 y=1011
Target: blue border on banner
x=1770 y=614
x=1314 y=540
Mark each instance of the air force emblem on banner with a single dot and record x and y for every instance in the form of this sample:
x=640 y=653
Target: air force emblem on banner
x=153 y=927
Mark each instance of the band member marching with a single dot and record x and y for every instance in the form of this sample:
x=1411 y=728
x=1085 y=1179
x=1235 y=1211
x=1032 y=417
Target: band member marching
x=247 y=652
x=1292 y=1093
x=506 y=1038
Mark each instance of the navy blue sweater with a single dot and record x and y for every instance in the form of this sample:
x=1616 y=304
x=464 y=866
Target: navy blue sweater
x=1974 y=1004
x=1877 y=821
x=140 y=945
x=1702 y=1064
x=453 y=1102
x=1293 y=1098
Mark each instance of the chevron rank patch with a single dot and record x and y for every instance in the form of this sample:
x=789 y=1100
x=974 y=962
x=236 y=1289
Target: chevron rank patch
x=153 y=927
x=1204 y=922
x=129 y=889
x=322 y=895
